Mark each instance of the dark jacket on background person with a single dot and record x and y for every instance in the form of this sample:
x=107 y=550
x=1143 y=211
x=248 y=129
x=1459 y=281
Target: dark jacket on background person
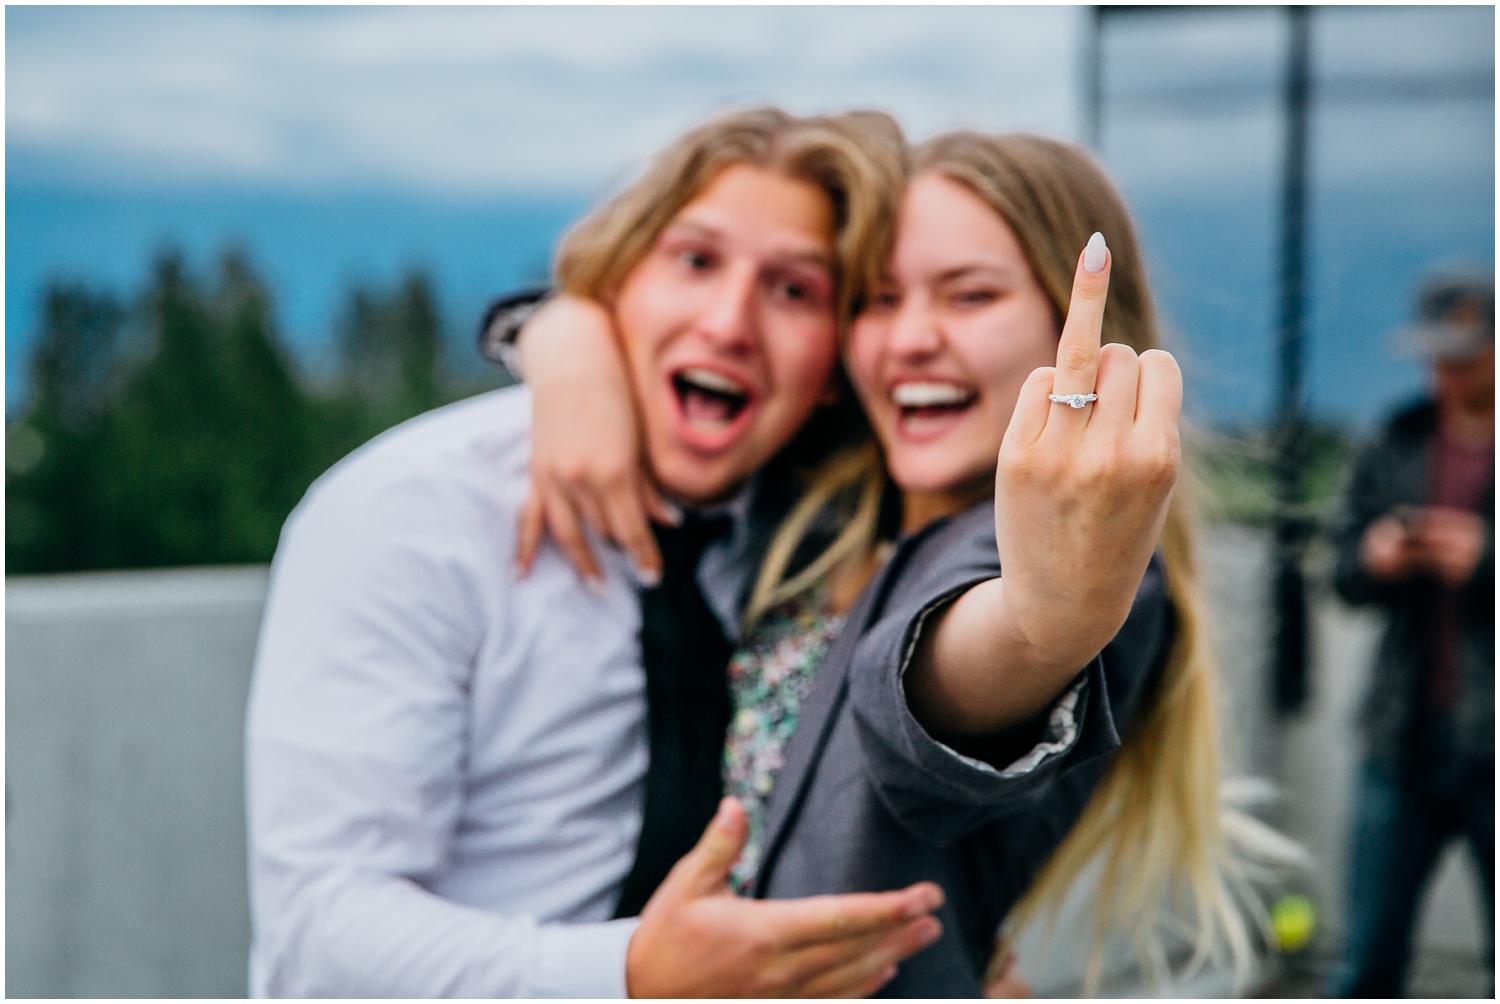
x=1393 y=471
x=868 y=800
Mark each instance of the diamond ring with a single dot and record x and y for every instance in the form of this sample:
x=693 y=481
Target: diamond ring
x=1072 y=400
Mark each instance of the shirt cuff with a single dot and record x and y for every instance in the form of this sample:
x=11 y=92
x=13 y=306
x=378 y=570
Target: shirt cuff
x=502 y=324
x=1062 y=722
x=1061 y=734
x=582 y=960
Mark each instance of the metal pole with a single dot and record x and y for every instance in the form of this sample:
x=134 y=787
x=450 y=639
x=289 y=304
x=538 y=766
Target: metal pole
x=1291 y=530
x=1093 y=79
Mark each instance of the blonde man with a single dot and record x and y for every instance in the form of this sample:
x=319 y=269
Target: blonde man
x=446 y=764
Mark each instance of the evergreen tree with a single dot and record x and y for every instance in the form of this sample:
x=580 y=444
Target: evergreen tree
x=52 y=452
x=178 y=432
x=167 y=441
x=391 y=352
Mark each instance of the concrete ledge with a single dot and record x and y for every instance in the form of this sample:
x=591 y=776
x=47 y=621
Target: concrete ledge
x=125 y=825
x=95 y=593
x=125 y=839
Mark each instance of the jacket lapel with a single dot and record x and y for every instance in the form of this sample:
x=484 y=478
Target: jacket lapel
x=815 y=722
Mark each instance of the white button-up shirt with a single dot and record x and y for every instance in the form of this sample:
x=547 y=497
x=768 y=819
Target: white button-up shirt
x=444 y=763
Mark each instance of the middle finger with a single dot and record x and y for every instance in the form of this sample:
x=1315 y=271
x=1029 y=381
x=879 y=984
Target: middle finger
x=629 y=526
x=1078 y=346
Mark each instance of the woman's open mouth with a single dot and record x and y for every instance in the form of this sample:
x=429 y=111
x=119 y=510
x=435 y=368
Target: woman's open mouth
x=713 y=407
x=929 y=408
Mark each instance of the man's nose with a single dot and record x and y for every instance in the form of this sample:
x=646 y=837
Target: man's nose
x=728 y=318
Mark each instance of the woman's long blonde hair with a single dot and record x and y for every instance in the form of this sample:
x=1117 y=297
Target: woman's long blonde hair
x=1156 y=826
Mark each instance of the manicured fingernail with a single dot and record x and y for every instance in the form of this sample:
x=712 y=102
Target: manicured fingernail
x=648 y=577
x=673 y=512
x=1093 y=255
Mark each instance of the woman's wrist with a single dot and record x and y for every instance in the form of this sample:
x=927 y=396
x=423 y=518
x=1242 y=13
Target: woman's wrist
x=569 y=339
x=990 y=662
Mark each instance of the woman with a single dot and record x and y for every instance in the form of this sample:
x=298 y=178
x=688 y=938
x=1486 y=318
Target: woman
x=941 y=658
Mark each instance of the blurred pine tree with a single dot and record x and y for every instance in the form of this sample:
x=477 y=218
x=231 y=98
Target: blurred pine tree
x=52 y=453
x=179 y=432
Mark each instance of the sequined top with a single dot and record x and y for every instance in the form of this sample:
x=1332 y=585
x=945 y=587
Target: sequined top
x=769 y=676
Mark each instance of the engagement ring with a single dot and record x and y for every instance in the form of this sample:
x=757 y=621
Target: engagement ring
x=1072 y=400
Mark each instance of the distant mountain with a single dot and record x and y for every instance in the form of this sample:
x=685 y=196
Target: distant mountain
x=1211 y=252
x=310 y=248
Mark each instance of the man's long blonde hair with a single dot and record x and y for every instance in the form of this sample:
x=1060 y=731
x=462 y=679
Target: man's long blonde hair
x=1156 y=827
x=857 y=158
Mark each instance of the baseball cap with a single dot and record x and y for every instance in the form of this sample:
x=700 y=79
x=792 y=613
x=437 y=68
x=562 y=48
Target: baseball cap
x=1455 y=317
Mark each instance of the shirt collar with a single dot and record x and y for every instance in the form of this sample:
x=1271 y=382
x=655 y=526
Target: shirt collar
x=727 y=570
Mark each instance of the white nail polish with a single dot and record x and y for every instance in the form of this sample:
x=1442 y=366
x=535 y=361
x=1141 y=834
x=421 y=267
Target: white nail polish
x=650 y=578
x=1093 y=255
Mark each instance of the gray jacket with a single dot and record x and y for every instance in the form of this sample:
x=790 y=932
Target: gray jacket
x=1392 y=471
x=868 y=801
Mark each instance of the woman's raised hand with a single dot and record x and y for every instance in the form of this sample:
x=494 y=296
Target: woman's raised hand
x=587 y=468
x=1081 y=494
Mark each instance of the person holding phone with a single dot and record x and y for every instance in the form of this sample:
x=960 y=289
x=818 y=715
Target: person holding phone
x=1416 y=541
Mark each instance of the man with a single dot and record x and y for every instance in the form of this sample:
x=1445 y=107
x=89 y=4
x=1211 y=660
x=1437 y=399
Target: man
x=446 y=764
x=1417 y=540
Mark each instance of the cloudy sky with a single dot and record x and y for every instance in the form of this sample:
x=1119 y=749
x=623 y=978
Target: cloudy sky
x=474 y=99
x=126 y=126
x=477 y=100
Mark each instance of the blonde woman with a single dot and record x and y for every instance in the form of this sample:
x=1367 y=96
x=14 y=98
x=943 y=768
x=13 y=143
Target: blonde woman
x=905 y=709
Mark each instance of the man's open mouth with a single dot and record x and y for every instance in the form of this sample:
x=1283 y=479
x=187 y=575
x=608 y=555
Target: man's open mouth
x=709 y=398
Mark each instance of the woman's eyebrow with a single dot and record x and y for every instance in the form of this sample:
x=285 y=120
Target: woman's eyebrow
x=964 y=271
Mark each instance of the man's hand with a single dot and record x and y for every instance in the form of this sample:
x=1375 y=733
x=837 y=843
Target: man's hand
x=698 y=939
x=1449 y=543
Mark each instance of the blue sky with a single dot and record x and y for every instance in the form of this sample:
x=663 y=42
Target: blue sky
x=343 y=144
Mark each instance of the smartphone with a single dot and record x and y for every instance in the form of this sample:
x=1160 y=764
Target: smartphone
x=1407 y=515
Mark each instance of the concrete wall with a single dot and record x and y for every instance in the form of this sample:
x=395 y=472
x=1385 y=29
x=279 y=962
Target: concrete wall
x=125 y=852
x=125 y=820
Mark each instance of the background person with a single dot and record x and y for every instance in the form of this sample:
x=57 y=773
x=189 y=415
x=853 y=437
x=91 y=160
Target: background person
x=1416 y=540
